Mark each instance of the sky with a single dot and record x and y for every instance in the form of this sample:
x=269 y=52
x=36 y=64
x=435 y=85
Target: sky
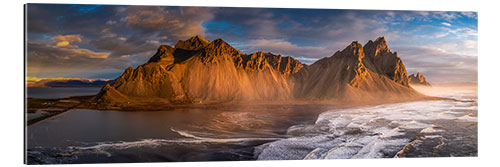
x=101 y=41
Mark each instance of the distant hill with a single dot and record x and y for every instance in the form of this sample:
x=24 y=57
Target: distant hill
x=418 y=79
x=201 y=71
x=67 y=82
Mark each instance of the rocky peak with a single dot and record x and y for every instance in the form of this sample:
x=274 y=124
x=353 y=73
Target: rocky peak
x=385 y=62
x=377 y=48
x=253 y=61
x=418 y=79
x=289 y=65
x=348 y=63
x=107 y=87
x=218 y=50
x=219 y=47
x=108 y=96
x=194 y=43
x=355 y=49
x=164 y=55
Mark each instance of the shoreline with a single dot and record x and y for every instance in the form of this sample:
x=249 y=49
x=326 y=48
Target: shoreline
x=83 y=103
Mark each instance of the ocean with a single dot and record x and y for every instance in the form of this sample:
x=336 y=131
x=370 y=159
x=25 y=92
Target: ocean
x=437 y=128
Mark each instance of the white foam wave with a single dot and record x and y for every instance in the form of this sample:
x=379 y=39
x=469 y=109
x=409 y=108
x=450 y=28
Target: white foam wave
x=468 y=118
x=369 y=132
x=198 y=139
x=431 y=129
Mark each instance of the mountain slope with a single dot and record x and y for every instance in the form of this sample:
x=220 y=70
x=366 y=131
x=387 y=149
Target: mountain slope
x=350 y=75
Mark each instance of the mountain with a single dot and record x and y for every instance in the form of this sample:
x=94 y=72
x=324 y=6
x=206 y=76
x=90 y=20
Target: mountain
x=355 y=73
x=66 y=82
x=201 y=71
x=418 y=79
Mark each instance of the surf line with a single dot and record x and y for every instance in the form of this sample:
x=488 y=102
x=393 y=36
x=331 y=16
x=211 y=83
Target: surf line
x=222 y=140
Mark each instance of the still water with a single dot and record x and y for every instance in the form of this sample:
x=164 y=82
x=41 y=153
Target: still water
x=61 y=92
x=414 y=129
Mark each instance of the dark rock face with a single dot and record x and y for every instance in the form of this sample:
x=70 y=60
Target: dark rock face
x=200 y=71
x=164 y=55
x=418 y=79
x=193 y=43
x=255 y=61
x=386 y=62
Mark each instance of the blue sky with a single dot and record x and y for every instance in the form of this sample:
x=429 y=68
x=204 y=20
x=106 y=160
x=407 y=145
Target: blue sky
x=100 y=41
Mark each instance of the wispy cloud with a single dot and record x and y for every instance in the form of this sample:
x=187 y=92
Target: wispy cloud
x=446 y=24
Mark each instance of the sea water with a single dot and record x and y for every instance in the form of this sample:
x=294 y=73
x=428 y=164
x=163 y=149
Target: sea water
x=438 y=128
x=60 y=92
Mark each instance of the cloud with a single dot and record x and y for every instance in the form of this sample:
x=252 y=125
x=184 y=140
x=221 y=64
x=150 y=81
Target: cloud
x=55 y=52
x=439 y=65
x=446 y=24
x=110 y=22
x=250 y=23
x=446 y=15
x=65 y=40
x=279 y=46
x=182 y=22
x=89 y=40
x=472 y=15
x=119 y=46
x=324 y=26
x=470 y=44
x=68 y=19
x=51 y=61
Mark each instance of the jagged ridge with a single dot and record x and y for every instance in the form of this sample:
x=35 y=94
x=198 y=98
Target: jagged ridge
x=200 y=71
x=418 y=79
x=355 y=74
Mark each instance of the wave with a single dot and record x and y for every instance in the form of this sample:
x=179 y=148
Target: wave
x=217 y=140
x=371 y=132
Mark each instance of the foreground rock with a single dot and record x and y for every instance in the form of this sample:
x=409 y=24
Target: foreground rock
x=197 y=71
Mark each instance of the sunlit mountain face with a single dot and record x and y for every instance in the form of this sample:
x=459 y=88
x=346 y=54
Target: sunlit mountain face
x=100 y=41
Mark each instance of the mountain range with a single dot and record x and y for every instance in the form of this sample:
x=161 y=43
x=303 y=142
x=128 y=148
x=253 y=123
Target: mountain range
x=205 y=72
x=66 y=82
